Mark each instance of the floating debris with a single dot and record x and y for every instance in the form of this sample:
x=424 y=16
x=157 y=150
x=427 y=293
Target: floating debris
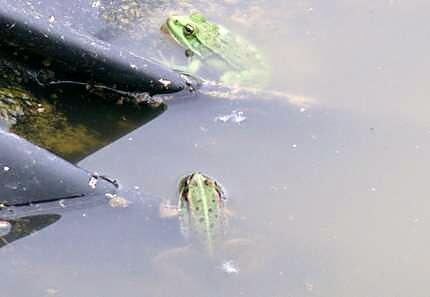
x=52 y=292
x=116 y=201
x=95 y=4
x=93 y=182
x=235 y=117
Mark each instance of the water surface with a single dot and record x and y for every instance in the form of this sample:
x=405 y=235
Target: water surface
x=333 y=196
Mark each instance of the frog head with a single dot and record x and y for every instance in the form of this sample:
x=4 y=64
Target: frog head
x=192 y=32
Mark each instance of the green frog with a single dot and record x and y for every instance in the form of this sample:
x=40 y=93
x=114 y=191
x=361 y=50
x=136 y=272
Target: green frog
x=204 y=219
x=237 y=62
x=201 y=209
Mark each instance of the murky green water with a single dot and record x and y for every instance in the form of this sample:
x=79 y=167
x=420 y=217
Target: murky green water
x=333 y=196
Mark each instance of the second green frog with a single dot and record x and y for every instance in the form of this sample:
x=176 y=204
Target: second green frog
x=236 y=61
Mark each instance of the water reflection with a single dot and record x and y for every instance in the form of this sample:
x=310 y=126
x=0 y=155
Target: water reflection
x=11 y=230
x=71 y=120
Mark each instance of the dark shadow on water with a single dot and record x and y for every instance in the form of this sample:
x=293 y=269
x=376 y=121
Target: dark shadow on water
x=25 y=226
x=70 y=119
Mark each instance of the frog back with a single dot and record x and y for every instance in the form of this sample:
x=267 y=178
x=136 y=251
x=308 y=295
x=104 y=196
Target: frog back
x=234 y=50
x=201 y=209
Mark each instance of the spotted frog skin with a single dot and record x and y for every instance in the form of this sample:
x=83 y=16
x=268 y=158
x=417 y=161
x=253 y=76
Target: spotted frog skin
x=203 y=218
x=237 y=61
x=201 y=207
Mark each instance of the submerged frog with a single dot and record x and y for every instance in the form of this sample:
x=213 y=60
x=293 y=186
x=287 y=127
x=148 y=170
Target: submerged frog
x=204 y=220
x=200 y=209
x=237 y=62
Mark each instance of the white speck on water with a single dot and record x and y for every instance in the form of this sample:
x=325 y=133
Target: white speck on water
x=372 y=189
x=137 y=188
x=165 y=82
x=61 y=203
x=235 y=116
x=278 y=188
x=223 y=119
x=84 y=214
x=238 y=117
x=5 y=227
x=415 y=220
x=5 y=168
x=51 y=19
x=130 y=139
x=230 y=268
x=93 y=182
x=95 y=4
x=302 y=109
x=294 y=145
x=309 y=286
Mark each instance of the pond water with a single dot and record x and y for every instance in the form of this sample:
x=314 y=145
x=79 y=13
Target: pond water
x=330 y=197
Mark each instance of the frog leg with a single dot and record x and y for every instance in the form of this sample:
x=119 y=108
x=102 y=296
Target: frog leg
x=172 y=254
x=248 y=255
x=235 y=246
x=168 y=210
x=170 y=263
x=165 y=61
x=250 y=78
x=229 y=213
x=192 y=67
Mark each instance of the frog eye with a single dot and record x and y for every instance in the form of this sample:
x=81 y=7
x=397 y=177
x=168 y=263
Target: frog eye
x=188 y=30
